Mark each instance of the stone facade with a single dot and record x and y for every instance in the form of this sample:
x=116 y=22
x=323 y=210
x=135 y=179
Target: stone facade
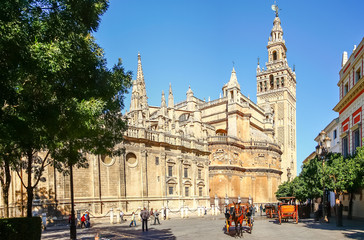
x=194 y=153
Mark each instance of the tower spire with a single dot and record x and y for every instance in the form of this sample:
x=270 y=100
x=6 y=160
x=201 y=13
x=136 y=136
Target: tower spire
x=170 y=97
x=143 y=99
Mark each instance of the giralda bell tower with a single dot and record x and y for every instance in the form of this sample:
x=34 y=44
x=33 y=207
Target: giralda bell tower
x=276 y=87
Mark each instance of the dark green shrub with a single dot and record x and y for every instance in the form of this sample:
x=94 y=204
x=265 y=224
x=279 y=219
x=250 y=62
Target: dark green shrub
x=20 y=228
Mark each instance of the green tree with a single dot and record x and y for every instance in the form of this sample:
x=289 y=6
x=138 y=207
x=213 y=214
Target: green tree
x=60 y=93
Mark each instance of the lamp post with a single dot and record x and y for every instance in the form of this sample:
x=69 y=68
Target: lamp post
x=322 y=150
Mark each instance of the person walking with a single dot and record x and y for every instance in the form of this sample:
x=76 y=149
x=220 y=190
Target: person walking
x=145 y=215
x=83 y=220
x=261 y=209
x=132 y=220
x=156 y=217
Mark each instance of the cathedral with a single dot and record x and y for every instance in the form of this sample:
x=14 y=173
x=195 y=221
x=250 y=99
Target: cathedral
x=195 y=153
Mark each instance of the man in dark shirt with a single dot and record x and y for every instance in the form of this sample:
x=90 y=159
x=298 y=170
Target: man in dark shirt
x=145 y=215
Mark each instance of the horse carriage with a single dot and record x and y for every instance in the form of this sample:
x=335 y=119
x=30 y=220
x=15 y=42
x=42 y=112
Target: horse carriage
x=241 y=215
x=271 y=210
x=287 y=209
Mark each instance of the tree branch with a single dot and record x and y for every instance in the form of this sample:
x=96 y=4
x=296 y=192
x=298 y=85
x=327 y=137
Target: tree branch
x=41 y=169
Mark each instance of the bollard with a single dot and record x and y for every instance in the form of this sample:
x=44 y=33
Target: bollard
x=111 y=216
x=139 y=217
x=118 y=220
x=163 y=216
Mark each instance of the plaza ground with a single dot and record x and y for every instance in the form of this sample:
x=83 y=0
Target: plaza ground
x=211 y=227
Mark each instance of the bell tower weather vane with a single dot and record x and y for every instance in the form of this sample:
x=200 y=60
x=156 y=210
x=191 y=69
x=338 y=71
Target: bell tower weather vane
x=275 y=8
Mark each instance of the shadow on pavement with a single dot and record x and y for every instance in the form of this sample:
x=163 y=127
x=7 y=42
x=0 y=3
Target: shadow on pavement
x=351 y=229
x=111 y=232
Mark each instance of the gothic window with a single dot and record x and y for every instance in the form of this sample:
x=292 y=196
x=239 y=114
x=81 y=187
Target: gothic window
x=277 y=80
x=199 y=175
x=271 y=80
x=185 y=172
x=200 y=191
x=265 y=85
x=184 y=117
x=274 y=55
x=282 y=82
x=261 y=86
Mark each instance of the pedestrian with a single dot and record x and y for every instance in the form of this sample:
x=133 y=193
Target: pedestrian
x=156 y=217
x=165 y=213
x=83 y=220
x=132 y=220
x=121 y=216
x=151 y=213
x=261 y=209
x=87 y=216
x=205 y=210
x=145 y=215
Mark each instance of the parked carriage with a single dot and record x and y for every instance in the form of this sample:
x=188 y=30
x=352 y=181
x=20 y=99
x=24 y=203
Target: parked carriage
x=241 y=215
x=287 y=209
x=271 y=210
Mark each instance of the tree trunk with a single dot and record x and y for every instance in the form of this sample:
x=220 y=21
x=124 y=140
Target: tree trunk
x=350 y=213
x=29 y=185
x=5 y=187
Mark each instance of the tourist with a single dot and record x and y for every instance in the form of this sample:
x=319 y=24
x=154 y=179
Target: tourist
x=83 y=220
x=144 y=215
x=151 y=214
x=261 y=209
x=132 y=220
x=156 y=217
x=165 y=213
x=87 y=216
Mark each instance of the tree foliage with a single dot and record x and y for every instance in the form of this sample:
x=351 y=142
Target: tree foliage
x=58 y=96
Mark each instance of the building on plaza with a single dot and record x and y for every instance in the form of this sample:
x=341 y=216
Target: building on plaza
x=350 y=108
x=194 y=152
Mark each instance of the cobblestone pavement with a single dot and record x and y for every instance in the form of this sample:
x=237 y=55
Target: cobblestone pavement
x=211 y=227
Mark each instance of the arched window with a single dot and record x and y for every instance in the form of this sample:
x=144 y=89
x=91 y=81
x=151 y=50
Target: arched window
x=274 y=55
x=271 y=81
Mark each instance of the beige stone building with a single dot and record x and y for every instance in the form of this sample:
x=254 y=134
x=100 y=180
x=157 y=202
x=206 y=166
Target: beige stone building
x=195 y=153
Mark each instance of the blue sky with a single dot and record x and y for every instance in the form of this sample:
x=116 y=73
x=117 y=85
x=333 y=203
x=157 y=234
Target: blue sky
x=194 y=42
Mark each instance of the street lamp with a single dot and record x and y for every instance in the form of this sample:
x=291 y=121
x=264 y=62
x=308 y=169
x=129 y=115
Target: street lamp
x=322 y=150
